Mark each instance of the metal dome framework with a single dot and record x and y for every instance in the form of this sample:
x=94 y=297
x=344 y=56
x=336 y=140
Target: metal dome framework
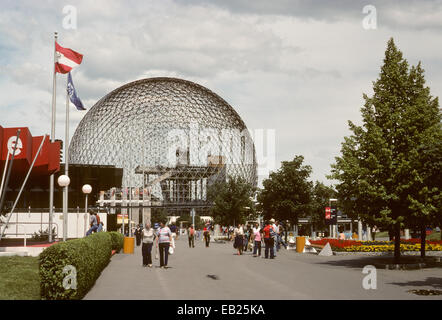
x=157 y=125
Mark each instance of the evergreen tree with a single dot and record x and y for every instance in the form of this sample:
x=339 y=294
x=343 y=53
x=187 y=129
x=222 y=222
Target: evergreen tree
x=383 y=172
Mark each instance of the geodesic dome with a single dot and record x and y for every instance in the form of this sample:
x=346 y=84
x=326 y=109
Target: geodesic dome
x=164 y=123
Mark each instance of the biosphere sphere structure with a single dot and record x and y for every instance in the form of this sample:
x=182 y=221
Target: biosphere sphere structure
x=157 y=125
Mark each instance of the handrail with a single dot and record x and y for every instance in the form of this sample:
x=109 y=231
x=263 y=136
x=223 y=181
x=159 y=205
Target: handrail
x=56 y=210
x=23 y=223
x=24 y=228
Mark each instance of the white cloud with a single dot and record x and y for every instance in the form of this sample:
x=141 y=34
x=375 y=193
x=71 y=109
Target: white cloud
x=295 y=67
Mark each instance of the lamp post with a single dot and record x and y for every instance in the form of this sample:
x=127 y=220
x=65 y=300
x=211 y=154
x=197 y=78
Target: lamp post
x=64 y=181
x=86 y=190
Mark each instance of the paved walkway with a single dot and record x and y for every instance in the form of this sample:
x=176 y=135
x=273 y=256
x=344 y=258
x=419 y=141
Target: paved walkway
x=289 y=276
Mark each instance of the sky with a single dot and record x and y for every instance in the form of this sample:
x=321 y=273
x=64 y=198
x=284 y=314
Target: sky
x=299 y=68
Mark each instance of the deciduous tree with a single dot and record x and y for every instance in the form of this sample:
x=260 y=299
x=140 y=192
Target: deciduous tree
x=232 y=201
x=287 y=193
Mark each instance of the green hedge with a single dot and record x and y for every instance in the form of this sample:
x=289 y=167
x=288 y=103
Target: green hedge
x=117 y=240
x=89 y=256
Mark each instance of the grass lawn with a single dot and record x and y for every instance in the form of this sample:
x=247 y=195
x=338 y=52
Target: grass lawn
x=19 y=278
x=434 y=236
x=382 y=234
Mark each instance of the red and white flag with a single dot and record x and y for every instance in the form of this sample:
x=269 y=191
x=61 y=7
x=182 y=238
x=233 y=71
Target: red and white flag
x=66 y=59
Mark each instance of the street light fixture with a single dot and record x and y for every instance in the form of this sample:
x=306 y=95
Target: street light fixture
x=86 y=190
x=64 y=181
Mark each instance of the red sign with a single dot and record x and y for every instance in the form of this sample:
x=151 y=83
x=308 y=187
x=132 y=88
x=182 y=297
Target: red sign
x=47 y=162
x=327 y=213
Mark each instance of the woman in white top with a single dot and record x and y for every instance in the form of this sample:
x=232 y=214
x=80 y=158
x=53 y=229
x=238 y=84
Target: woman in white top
x=148 y=235
x=239 y=237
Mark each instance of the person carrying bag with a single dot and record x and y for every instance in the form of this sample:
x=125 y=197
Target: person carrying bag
x=164 y=239
x=148 y=237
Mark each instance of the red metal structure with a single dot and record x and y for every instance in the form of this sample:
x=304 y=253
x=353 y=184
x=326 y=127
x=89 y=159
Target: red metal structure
x=48 y=161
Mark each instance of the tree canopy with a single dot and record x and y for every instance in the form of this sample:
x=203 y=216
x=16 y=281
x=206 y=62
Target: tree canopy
x=287 y=193
x=389 y=168
x=232 y=201
x=321 y=194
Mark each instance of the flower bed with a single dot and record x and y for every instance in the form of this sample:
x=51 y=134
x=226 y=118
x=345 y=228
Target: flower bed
x=390 y=248
x=377 y=246
x=336 y=243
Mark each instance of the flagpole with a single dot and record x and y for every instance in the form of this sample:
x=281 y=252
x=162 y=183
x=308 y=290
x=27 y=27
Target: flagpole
x=51 y=179
x=66 y=166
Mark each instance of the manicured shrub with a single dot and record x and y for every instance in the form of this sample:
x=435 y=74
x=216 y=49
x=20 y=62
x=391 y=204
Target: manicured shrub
x=89 y=256
x=117 y=240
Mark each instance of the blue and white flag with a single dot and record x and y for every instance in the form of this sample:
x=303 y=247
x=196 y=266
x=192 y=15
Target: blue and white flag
x=73 y=94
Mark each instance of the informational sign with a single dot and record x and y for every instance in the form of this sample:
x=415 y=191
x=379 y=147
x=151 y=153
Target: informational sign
x=327 y=215
x=334 y=214
x=331 y=215
x=327 y=212
x=120 y=219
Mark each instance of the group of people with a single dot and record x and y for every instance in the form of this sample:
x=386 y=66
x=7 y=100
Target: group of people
x=244 y=238
x=248 y=237
x=94 y=222
x=164 y=240
x=191 y=232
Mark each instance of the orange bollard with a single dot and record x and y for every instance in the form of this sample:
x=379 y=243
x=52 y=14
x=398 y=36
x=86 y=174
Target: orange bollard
x=128 y=245
x=300 y=244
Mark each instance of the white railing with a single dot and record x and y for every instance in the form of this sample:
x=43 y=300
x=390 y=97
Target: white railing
x=23 y=224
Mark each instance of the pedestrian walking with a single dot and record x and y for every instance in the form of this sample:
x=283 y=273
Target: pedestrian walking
x=164 y=239
x=257 y=240
x=206 y=233
x=138 y=234
x=238 y=233
x=279 y=232
x=173 y=229
x=148 y=237
x=246 y=238
x=274 y=236
x=191 y=236
x=268 y=241
x=373 y=232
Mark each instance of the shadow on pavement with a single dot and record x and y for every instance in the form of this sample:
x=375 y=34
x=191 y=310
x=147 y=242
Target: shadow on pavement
x=361 y=262
x=429 y=282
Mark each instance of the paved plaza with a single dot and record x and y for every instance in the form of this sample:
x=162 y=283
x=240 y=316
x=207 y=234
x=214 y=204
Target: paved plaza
x=217 y=273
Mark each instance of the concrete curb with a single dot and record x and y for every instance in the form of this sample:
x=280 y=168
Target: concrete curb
x=12 y=254
x=21 y=251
